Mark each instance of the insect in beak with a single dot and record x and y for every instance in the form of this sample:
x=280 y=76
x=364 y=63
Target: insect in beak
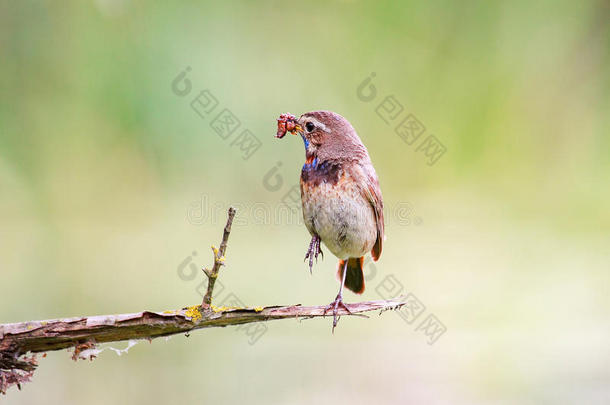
x=287 y=123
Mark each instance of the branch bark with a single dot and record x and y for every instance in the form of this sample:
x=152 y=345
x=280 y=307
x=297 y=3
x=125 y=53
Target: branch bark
x=81 y=333
x=57 y=334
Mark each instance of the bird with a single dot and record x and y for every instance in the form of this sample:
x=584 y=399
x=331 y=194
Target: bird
x=341 y=198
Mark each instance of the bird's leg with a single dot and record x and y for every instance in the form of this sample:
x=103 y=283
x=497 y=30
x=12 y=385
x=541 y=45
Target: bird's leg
x=338 y=301
x=313 y=251
x=319 y=249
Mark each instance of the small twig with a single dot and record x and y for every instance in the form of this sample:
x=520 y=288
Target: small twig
x=219 y=258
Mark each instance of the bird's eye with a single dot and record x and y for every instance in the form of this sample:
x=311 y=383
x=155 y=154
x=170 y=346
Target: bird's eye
x=310 y=127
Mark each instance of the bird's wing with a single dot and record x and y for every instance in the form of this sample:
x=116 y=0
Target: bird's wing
x=372 y=192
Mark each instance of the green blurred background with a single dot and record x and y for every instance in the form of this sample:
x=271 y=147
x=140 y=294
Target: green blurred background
x=108 y=182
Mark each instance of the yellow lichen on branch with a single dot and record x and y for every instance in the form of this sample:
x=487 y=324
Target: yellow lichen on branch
x=194 y=312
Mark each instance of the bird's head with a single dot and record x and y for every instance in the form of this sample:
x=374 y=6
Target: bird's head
x=325 y=134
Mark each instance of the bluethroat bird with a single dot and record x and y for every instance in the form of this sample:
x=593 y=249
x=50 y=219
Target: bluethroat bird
x=340 y=195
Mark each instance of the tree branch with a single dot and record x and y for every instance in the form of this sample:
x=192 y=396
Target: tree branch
x=18 y=339
x=57 y=334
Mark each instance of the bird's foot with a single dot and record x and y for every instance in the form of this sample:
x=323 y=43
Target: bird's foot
x=313 y=251
x=338 y=302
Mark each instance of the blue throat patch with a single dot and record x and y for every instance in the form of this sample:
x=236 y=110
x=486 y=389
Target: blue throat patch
x=306 y=142
x=314 y=163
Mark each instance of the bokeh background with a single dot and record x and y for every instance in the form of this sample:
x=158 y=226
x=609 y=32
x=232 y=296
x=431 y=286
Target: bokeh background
x=111 y=186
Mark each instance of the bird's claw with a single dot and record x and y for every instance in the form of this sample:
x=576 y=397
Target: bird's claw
x=338 y=302
x=313 y=251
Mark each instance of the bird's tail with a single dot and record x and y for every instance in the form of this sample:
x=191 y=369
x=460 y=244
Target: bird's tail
x=354 y=279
